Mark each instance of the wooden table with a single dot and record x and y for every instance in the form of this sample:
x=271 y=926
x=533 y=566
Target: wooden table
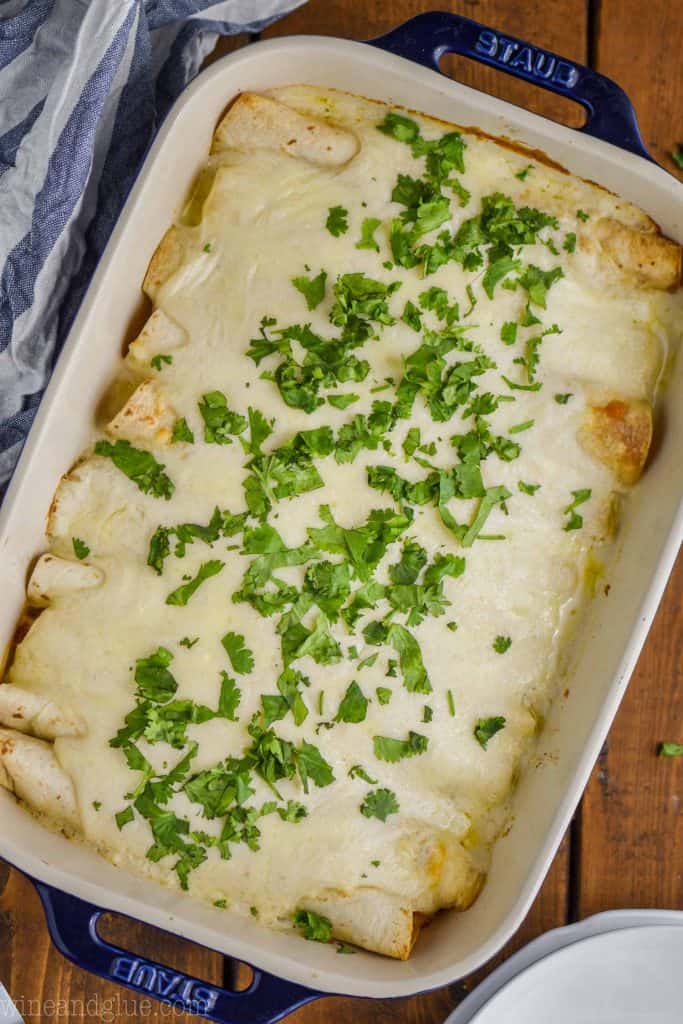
x=625 y=845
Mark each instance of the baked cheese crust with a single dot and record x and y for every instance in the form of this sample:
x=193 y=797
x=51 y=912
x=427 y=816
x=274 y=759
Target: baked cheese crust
x=308 y=596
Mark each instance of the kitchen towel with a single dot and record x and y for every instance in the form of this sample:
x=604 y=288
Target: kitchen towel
x=84 y=86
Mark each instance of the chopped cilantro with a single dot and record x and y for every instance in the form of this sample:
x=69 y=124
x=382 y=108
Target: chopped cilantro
x=367 y=234
x=356 y=771
x=342 y=401
x=519 y=427
x=313 y=926
x=562 y=399
x=81 y=549
x=569 y=244
x=537 y=282
x=486 y=729
x=182 y=594
x=451 y=703
x=389 y=749
x=182 y=432
x=379 y=803
x=384 y=694
x=412 y=316
x=522 y=175
x=453 y=626
x=343 y=947
x=670 y=750
x=97 y=804
x=337 y=222
x=156 y=362
x=312 y=288
x=241 y=658
x=220 y=422
x=138 y=465
x=508 y=333
x=502 y=644
x=427 y=713
x=575 y=521
x=189 y=643
x=354 y=705
x=124 y=817
x=582 y=215
x=221 y=904
x=528 y=488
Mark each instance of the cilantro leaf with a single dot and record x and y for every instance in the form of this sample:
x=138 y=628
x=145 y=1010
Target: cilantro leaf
x=182 y=432
x=220 y=422
x=337 y=222
x=367 y=234
x=384 y=694
x=575 y=521
x=310 y=763
x=399 y=127
x=528 y=488
x=412 y=561
x=356 y=771
x=670 y=750
x=562 y=399
x=154 y=680
x=182 y=594
x=569 y=244
x=508 y=333
x=157 y=362
x=313 y=926
x=81 y=549
x=486 y=729
x=138 y=465
x=353 y=706
x=537 y=282
x=502 y=644
x=229 y=698
x=241 y=658
x=389 y=749
x=496 y=271
x=312 y=288
x=380 y=803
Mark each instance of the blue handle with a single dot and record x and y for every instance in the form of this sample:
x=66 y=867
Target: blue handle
x=73 y=926
x=427 y=37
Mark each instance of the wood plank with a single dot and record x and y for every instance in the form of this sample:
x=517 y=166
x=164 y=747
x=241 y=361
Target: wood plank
x=45 y=985
x=639 y=45
x=631 y=817
x=560 y=26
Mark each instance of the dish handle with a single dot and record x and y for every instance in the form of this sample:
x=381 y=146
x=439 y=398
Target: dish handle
x=428 y=36
x=73 y=926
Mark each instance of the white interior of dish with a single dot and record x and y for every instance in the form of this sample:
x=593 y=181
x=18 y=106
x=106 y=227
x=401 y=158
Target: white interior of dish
x=454 y=944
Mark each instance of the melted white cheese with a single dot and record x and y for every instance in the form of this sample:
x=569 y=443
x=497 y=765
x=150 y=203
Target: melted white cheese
x=263 y=223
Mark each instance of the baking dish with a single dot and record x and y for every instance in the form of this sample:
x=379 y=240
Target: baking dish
x=74 y=883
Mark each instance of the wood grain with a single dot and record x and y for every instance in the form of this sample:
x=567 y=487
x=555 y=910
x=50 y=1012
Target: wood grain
x=631 y=835
x=639 y=45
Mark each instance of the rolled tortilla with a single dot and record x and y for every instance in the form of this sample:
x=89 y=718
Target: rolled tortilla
x=160 y=335
x=259 y=122
x=145 y=417
x=32 y=713
x=619 y=434
x=646 y=257
x=29 y=769
x=370 y=918
x=169 y=256
x=53 y=577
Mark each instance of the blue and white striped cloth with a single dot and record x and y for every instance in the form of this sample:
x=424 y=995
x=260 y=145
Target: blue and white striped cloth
x=84 y=85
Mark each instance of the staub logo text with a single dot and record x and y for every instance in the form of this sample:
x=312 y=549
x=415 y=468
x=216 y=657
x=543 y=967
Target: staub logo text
x=167 y=984
x=535 y=62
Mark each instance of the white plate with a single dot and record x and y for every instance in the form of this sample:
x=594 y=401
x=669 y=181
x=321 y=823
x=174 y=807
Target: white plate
x=620 y=967
x=622 y=977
